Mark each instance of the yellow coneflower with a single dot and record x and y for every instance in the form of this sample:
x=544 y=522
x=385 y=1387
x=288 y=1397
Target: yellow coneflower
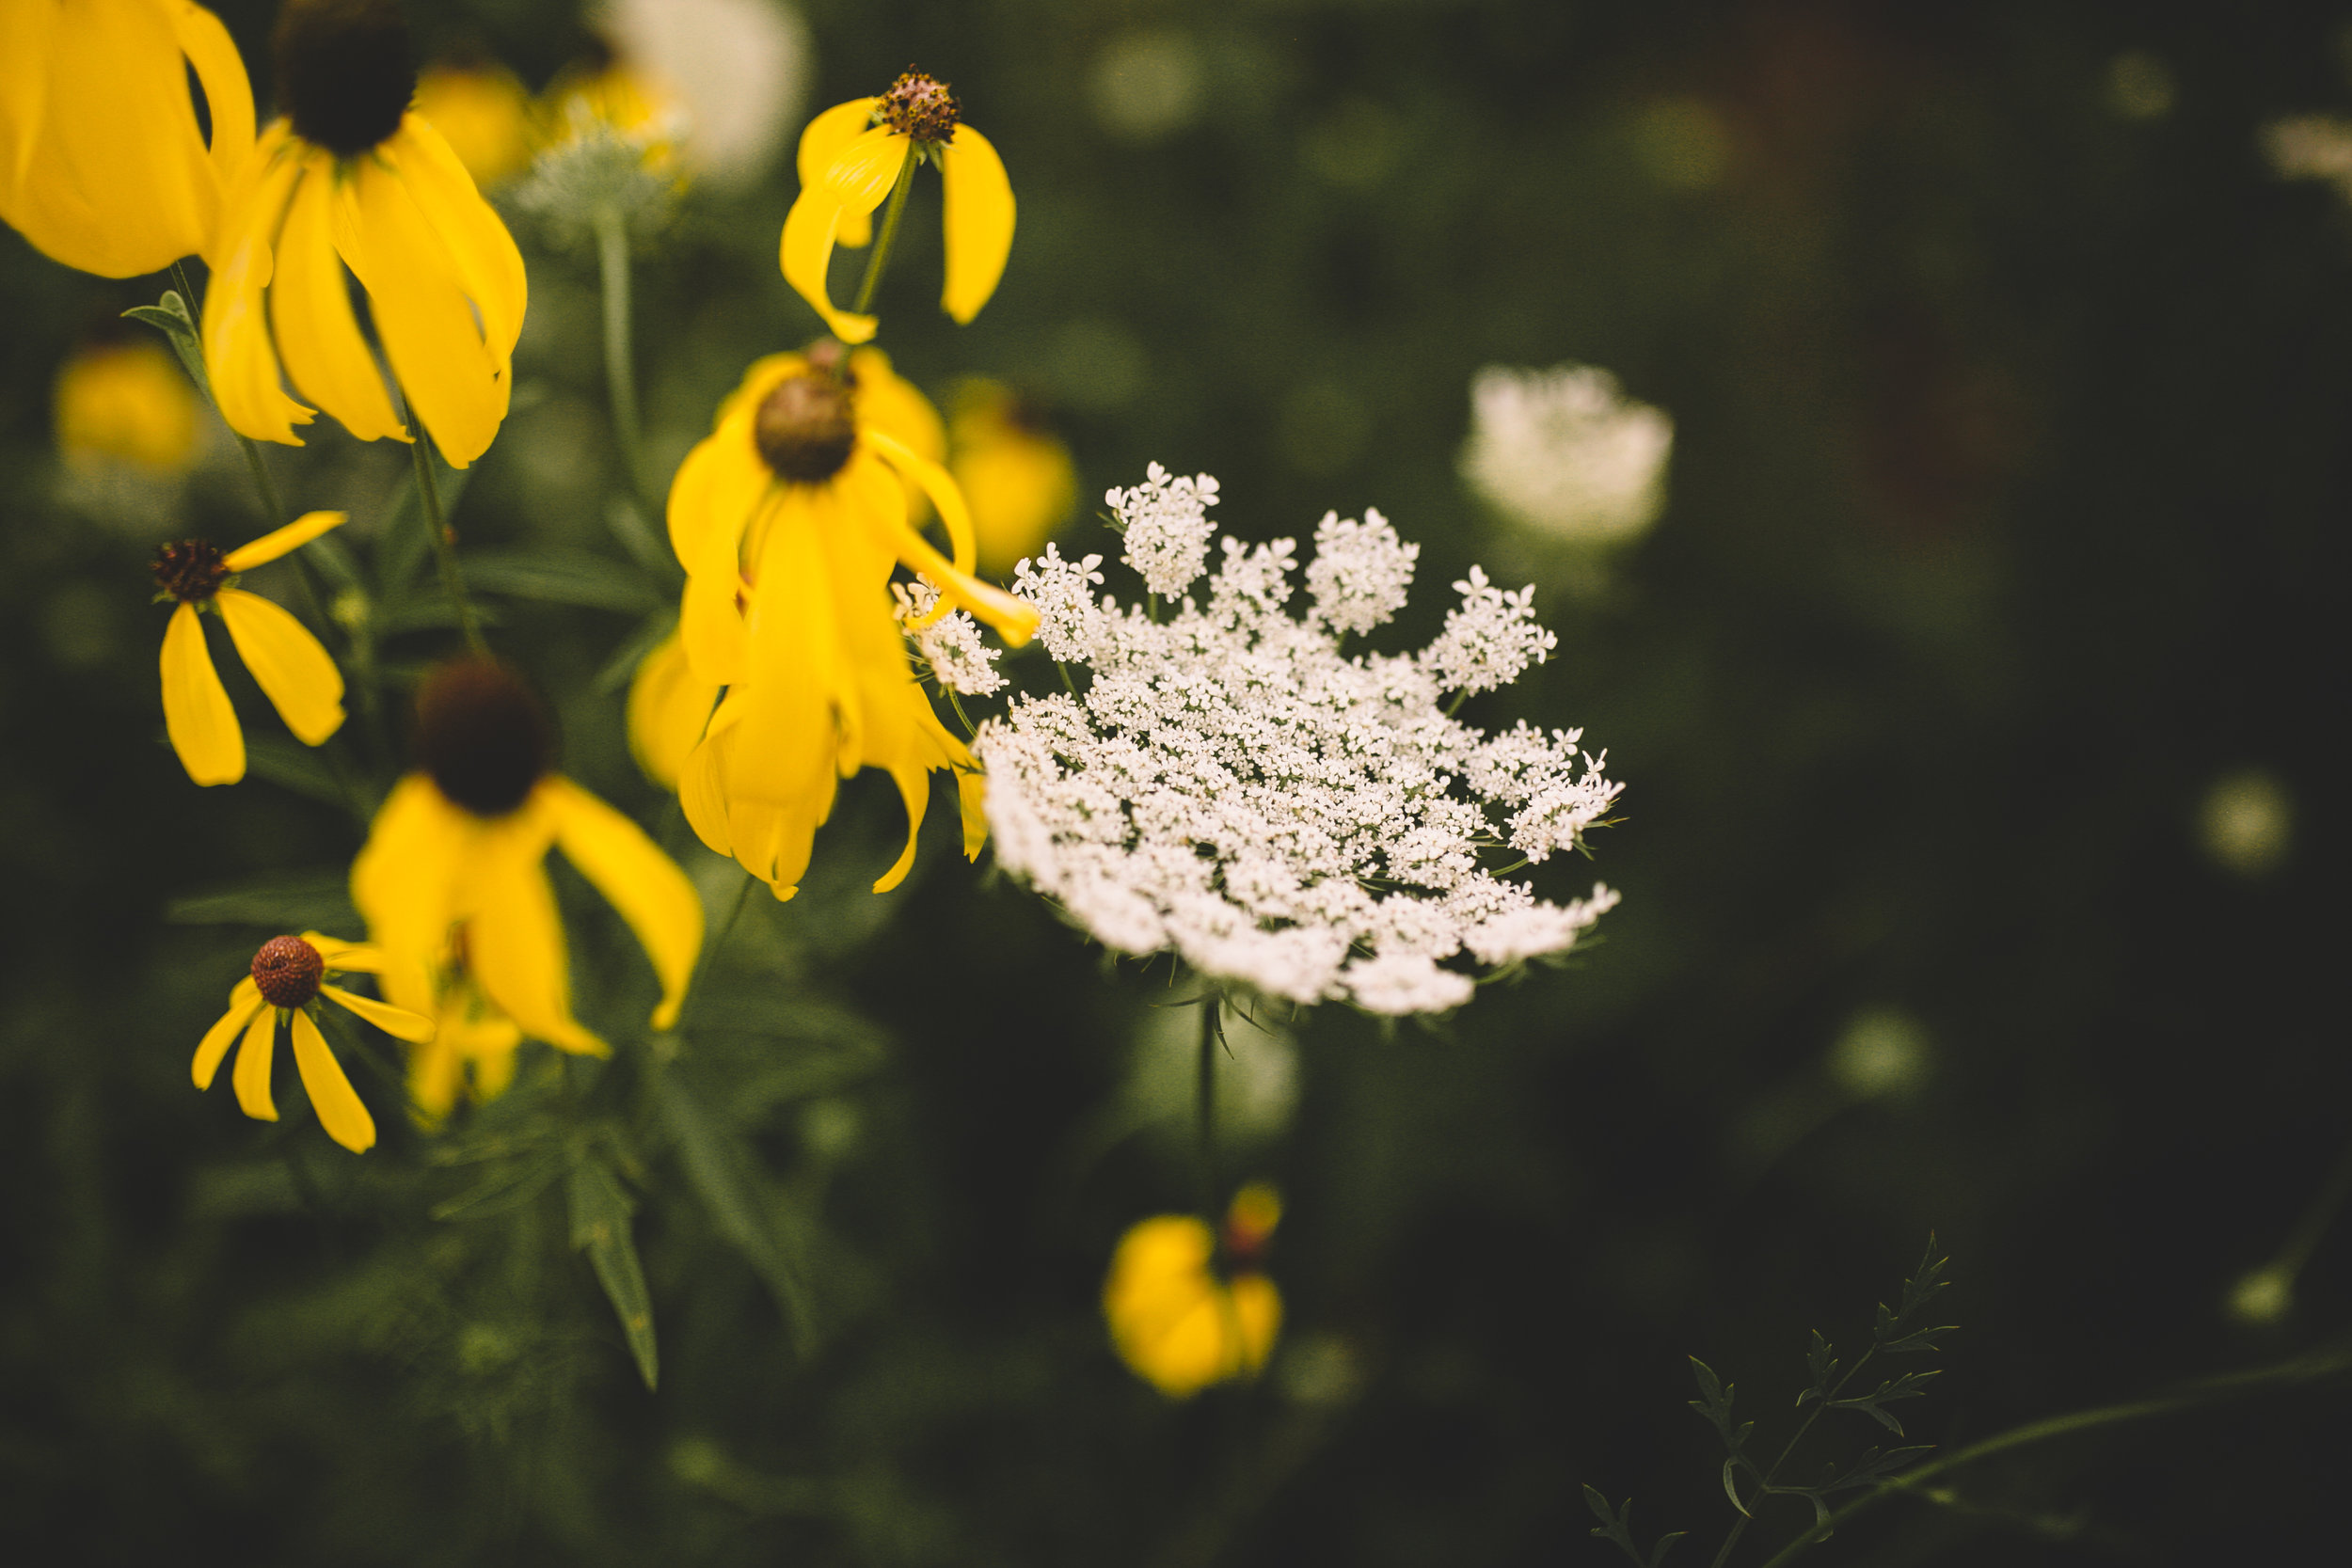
x=1016 y=476
x=472 y=1051
x=102 y=165
x=288 y=979
x=292 y=671
x=452 y=879
x=788 y=519
x=483 y=114
x=1177 y=1320
x=126 y=402
x=852 y=157
x=352 y=177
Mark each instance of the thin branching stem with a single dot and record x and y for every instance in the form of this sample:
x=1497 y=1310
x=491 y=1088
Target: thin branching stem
x=1204 y=1087
x=444 y=553
x=1764 y=1486
x=883 y=241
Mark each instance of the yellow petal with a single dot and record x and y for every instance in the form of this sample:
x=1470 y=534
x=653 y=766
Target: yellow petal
x=977 y=217
x=806 y=254
x=318 y=338
x=641 y=882
x=292 y=671
x=940 y=487
x=914 y=792
x=250 y=1077
x=455 y=383
x=282 y=541
x=197 y=715
x=242 y=1000
x=488 y=266
x=405 y=884
x=824 y=141
x=228 y=94
x=514 y=944
x=239 y=357
x=972 y=797
x=668 y=708
x=399 y=1022
x=1257 y=1311
x=349 y=958
x=341 y=1112
x=1015 y=620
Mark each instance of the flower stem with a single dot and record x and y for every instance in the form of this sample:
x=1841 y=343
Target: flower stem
x=889 y=234
x=1764 y=1484
x=2213 y=1390
x=620 y=377
x=274 y=514
x=1205 y=1087
x=437 y=529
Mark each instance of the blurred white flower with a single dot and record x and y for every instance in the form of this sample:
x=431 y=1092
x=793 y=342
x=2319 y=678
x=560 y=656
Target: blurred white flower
x=1231 y=786
x=739 y=70
x=2312 y=147
x=1565 y=453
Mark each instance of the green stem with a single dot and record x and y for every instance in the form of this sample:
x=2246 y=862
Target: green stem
x=437 y=528
x=889 y=234
x=1205 y=1088
x=2213 y=1390
x=961 y=718
x=270 y=507
x=1764 y=1485
x=710 y=951
x=620 y=377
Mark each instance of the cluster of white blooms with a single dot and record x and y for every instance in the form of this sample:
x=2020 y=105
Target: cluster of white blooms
x=1231 y=786
x=951 y=645
x=1167 y=524
x=1565 y=452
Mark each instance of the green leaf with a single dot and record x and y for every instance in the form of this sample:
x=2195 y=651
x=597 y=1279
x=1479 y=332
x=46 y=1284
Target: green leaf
x=722 y=1170
x=291 y=765
x=646 y=546
x=171 y=317
x=314 y=900
x=622 y=667
x=429 y=612
x=559 y=576
x=510 y=1187
x=600 y=1228
x=403 y=547
x=1599 y=1505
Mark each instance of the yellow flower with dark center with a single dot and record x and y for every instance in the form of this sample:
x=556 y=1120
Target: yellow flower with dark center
x=288 y=979
x=452 y=879
x=126 y=402
x=1179 y=1321
x=292 y=671
x=789 y=518
x=1016 y=476
x=483 y=114
x=850 y=157
x=353 y=177
x=102 y=165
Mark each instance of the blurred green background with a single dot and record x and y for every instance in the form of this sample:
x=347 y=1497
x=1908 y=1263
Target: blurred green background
x=2006 y=516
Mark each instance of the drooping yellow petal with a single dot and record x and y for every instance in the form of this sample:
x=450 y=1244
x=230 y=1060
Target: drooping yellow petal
x=977 y=217
x=638 y=880
x=196 y=712
x=250 y=1077
x=341 y=1112
x=399 y=1022
x=914 y=792
x=855 y=181
x=405 y=885
x=668 y=708
x=456 y=384
x=514 y=944
x=940 y=487
x=489 y=267
x=318 y=338
x=1015 y=620
x=282 y=541
x=821 y=142
x=889 y=403
x=209 y=1051
x=294 y=672
x=228 y=95
x=238 y=354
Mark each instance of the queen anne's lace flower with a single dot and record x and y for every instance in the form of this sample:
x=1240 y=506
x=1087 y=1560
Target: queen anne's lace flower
x=1167 y=528
x=951 y=645
x=1232 y=787
x=1565 y=452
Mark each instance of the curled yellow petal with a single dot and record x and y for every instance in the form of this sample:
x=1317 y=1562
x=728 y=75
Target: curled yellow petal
x=294 y=672
x=644 y=884
x=914 y=792
x=250 y=1077
x=822 y=142
x=514 y=944
x=282 y=541
x=309 y=312
x=977 y=217
x=341 y=1112
x=228 y=94
x=399 y=1022
x=197 y=713
x=854 y=183
x=1015 y=620
x=668 y=708
x=209 y=1051
x=239 y=357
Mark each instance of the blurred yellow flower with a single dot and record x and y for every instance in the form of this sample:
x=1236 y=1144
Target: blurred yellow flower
x=453 y=881
x=1016 y=477
x=483 y=114
x=102 y=165
x=289 y=977
x=788 y=519
x=472 y=1048
x=294 y=672
x=1180 y=1322
x=850 y=158
x=126 y=402
x=612 y=96
x=353 y=177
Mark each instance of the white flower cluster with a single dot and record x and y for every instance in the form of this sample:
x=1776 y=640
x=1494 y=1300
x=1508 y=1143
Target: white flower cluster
x=1565 y=452
x=1167 y=524
x=960 y=662
x=1234 y=788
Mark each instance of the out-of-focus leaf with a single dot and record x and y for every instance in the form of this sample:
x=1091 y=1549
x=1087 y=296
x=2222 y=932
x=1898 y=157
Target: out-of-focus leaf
x=430 y=611
x=506 y=1188
x=318 y=901
x=558 y=576
x=721 y=1168
x=646 y=546
x=622 y=666
x=291 y=765
x=600 y=1214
